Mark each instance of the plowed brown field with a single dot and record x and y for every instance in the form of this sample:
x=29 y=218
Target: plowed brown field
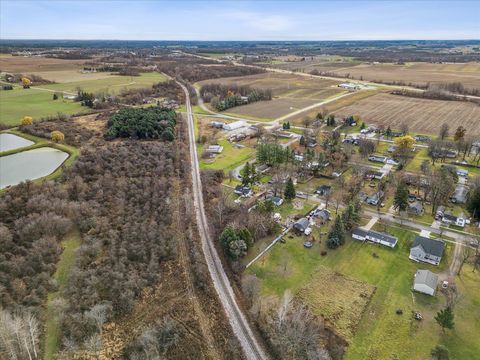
x=421 y=115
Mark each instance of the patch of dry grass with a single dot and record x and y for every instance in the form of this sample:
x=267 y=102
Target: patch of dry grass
x=339 y=299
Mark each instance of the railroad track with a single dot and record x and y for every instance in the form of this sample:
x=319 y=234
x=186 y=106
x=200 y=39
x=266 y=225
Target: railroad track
x=251 y=347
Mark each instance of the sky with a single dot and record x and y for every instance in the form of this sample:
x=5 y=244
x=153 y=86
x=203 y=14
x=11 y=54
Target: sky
x=239 y=20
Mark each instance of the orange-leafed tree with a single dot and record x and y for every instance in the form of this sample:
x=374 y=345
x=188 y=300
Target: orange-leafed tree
x=26 y=82
x=57 y=136
x=27 y=120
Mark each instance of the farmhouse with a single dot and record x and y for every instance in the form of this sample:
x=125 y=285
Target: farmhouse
x=425 y=282
x=243 y=191
x=301 y=225
x=374 y=236
x=377 y=158
x=427 y=250
x=234 y=125
x=349 y=86
x=217 y=124
x=214 y=149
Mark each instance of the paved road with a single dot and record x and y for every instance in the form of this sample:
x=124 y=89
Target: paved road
x=240 y=326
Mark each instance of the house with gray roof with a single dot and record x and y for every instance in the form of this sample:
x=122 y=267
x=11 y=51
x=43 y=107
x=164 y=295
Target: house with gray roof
x=427 y=250
x=425 y=282
x=301 y=225
x=374 y=236
x=460 y=194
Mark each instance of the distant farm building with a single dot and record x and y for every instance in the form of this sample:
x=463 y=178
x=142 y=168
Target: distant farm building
x=234 y=125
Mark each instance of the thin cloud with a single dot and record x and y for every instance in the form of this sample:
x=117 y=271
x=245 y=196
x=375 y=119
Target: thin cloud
x=261 y=21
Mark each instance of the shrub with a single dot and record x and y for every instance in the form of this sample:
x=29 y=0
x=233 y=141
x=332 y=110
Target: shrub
x=57 y=136
x=27 y=120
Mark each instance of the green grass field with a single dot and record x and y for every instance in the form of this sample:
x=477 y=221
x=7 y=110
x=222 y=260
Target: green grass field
x=38 y=101
x=111 y=85
x=19 y=102
x=70 y=244
x=381 y=333
x=229 y=159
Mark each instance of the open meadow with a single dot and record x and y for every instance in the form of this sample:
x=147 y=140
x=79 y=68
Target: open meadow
x=421 y=115
x=19 y=102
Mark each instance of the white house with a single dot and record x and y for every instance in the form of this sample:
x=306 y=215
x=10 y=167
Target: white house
x=214 y=149
x=374 y=236
x=425 y=282
x=234 y=125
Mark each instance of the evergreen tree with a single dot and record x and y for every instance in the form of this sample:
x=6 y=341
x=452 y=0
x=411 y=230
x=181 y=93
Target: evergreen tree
x=337 y=232
x=246 y=173
x=290 y=190
x=302 y=141
x=388 y=133
x=363 y=126
x=445 y=318
x=400 y=201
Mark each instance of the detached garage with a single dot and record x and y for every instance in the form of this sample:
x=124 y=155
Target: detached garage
x=425 y=282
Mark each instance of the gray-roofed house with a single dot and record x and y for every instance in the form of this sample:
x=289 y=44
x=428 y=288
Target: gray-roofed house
x=375 y=198
x=374 y=236
x=425 y=282
x=427 y=250
x=416 y=208
x=460 y=194
x=324 y=190
x=301 y=225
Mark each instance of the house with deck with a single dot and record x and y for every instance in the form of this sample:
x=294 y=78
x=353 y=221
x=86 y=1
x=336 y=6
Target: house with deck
x=427 y=250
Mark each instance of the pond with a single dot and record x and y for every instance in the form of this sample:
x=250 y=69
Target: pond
x=10 y=142
x=29 y=165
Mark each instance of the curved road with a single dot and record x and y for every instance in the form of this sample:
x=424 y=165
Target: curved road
x=241 y=328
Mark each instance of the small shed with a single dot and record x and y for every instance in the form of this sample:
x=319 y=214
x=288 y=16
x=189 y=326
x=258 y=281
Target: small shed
x=425 y=282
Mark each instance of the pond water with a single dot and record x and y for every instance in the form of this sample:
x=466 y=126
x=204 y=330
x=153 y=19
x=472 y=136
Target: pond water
x=10 y=142
x=29 y=165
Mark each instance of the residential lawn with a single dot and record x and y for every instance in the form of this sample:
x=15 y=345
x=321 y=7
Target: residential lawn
x=70 y=244
x=229 y=159
x=19 y=102
x=381 y=333
x=111 y=85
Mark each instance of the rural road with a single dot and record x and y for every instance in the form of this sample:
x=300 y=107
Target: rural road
x=241 y=328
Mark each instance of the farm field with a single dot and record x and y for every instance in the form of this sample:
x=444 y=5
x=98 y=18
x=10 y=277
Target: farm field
x=320 y=63
x=417 y=73
x=19 y=102
x=29 y=65
x=111 y=84
x=373 y=328
x=421 y=115
x=290 y=93
x=37 y=102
